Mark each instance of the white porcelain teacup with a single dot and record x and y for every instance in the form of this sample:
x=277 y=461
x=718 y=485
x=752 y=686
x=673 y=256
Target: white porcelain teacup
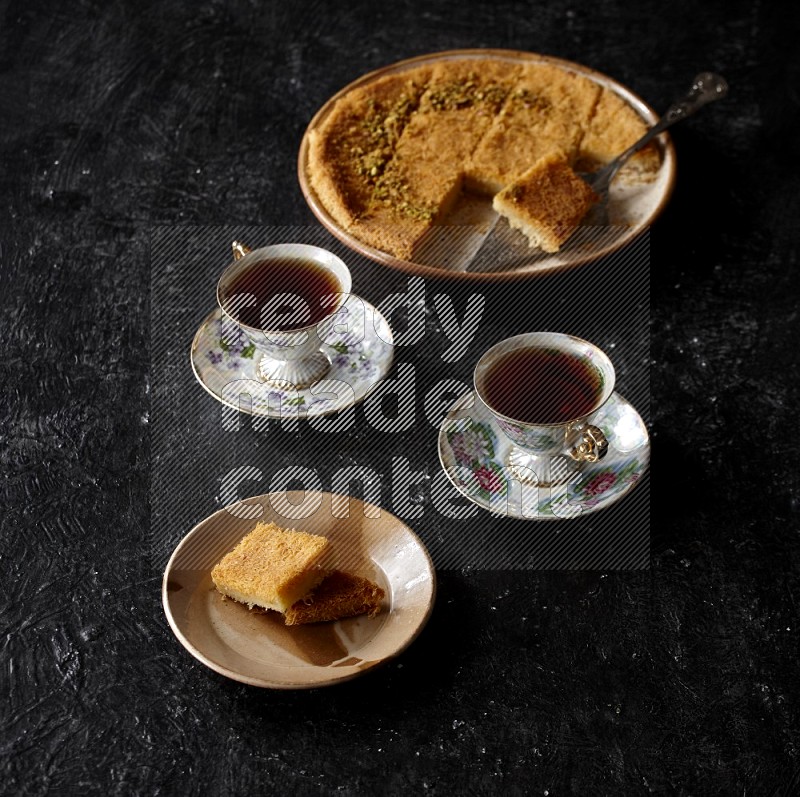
x=543 y=390
x=284 y=298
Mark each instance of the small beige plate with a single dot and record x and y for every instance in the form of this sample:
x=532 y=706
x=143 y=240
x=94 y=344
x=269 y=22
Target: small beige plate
x=255 y=647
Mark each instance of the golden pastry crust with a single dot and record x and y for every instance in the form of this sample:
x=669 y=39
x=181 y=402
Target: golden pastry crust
x=546 y=203
x=338 y=595
x=392 y=157
x=614 y=126
x=349 y=152
x=455 y=111
x=271 y=567
x=546 y=112
x=389 y=230
x=423 y=179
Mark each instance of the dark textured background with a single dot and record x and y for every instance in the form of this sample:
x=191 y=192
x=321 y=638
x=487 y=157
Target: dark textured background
x=682 y=679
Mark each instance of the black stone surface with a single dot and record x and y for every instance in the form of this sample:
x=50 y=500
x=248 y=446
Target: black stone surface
x=681 y=679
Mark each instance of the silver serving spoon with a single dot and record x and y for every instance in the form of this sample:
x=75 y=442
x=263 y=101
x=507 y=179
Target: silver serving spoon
x=707 y=87
x=500 y=248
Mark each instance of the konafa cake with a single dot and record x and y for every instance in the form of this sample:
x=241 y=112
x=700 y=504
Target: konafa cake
x=393 y=155
x=613 y=127
x=338 y=595
x=546 y=112
x=546 y=203
x=423 y=178
x=394 y=229
x=271 y=567
x=348 y=154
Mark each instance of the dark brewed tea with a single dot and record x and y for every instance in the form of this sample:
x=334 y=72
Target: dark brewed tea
x=538 y=385
x=277 y=286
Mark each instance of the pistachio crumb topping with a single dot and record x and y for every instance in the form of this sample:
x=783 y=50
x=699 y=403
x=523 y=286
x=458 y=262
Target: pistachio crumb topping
x=379 y=130
x=466 y=94
x=529 y=99
x=392 y=191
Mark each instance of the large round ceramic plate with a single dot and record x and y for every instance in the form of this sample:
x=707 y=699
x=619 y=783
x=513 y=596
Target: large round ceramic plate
x=255 y=647
x=632 y=206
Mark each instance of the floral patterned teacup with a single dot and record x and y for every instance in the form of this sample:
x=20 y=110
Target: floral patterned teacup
x=547 y=451
x=287 y=357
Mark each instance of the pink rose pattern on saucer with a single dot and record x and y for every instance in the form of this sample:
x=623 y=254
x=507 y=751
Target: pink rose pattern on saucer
x=473 y=452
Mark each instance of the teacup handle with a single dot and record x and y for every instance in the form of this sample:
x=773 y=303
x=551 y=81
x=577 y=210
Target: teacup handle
x=239 y=250
x=594 y=445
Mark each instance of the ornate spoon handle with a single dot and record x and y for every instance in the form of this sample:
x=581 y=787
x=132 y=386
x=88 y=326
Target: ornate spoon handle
x=706 y=87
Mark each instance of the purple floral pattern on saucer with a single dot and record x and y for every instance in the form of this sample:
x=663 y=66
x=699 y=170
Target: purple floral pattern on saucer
x=359 y=346
x=473 y=451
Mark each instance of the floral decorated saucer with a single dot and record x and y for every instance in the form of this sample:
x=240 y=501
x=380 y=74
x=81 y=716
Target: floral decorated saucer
x=474 y=450
x=360 y=348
